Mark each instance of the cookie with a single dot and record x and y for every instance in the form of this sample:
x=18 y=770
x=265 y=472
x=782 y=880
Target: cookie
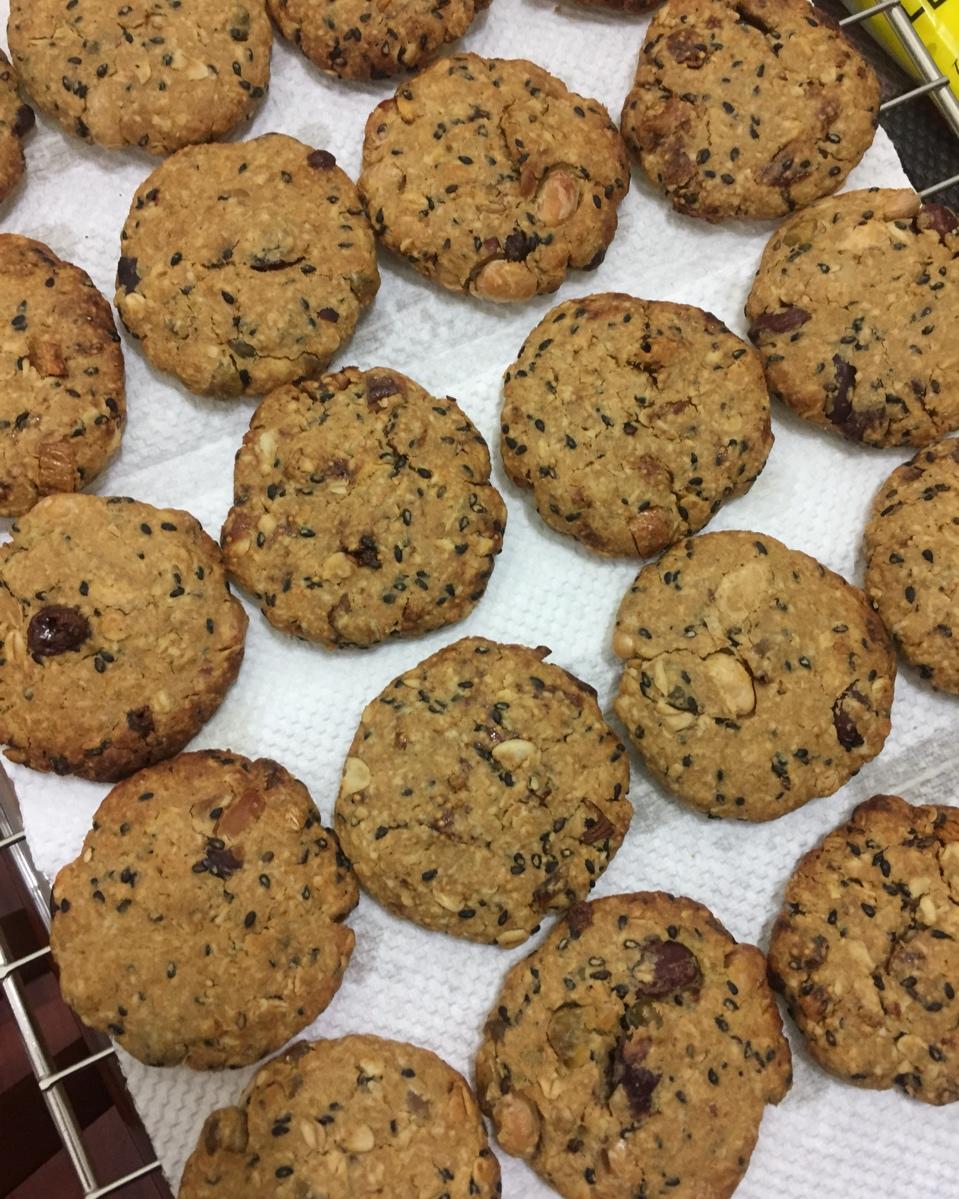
x=357 y=39
x=147 y=73
x=62 y=406
x=355 y=1118
x=202 y=922
x=748 y=108
x=754 y=678
x=632 y=420
x=16 y=121
x=633 y=1052
x=866 y=949
x=912 y=560
x=117 y=613
x=245 y=266
x=491 y=178
x=482 y=790
x=362 y=510
x=854 y=310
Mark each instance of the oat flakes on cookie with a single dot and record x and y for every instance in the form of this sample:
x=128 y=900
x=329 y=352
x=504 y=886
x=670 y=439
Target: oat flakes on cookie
x=360 y=39
x=492 y=178
x=748 y=108
x=854 y=309
x=483 y=790
x=119 y=635
x=633 y=1053
x=62 y=407
x=159 y=74
x=202 y=922
x=245 y=265
x=912 y=561
x=362 y=509
x=354 y=1118
x=866 y=949
x=16 y=121
x=754 y=678
x=631 y=421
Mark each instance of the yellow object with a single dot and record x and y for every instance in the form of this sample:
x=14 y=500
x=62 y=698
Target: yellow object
x=936 y=22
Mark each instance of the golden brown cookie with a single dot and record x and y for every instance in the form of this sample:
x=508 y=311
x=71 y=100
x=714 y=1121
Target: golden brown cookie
x=631 y=421
x=355 y=1118
x=62 y=407
x=150 y=73
x=360 y=39
x=854 y=310
x=912 y=560
x=119 y=635
x=754 y=678
x=748 y=108
x=866 y=949
x=202 y=923
x=245 y=266
x=362 y=509
x=633 y=1053
x=491 y=178
x=482 y=790
x=16 y=121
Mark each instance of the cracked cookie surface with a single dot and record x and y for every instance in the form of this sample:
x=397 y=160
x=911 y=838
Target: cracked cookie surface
x=245 y=265
x=362 y=510
x=16 y=121
x=632 y=420
x=866 y=949
x=483 y=789
x=201 y=923
x=360 y=39
x=854 y=309
x=158 y=74
x=754 y=678
x=492 y=178
x=748 y=108
x=62 y=406
x=353 y=1118
x=118 y=614
x=634 y=1051
x=912 y=561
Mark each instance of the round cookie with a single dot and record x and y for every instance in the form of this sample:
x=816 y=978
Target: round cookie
x=912 y=560
x=62 y=407
x=866 y=949
x=748 y=108
x=633 y=1052
x=355 y=1118
x=146 y=73
x=245 y=265
x=492 y=178
x=632 y=420
x=754 y=678
x=359 y=39
x=118 y=613
x=854 y=310
x=201 y=923
x=362 y=510
x=482 y=790
x=16 y=121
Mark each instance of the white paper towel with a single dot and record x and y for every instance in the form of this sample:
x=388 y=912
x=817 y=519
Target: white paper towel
x=300 y=704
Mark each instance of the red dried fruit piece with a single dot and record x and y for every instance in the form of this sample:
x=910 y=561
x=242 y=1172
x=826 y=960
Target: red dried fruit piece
x=674 y=967
x=57 y=629
x=779 y=322
x=637 y=1082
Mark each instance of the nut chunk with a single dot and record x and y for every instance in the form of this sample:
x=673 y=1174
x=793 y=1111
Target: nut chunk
x=754 y=678
x=492 y=178
x=634 y=1051
x=483 y=789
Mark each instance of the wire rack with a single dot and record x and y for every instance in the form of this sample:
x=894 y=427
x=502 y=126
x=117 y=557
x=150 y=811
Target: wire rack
x=53 y=1082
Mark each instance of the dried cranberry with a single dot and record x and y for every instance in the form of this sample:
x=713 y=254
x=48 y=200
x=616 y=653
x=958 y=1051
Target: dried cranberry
x=57 y=629
x=321 y=160
x=779 y=322
x=674 y=969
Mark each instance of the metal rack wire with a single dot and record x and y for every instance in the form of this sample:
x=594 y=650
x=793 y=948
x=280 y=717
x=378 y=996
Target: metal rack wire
x=12 y=838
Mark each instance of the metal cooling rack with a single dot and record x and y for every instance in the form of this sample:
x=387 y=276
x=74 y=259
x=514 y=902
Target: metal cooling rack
x=51 y=1081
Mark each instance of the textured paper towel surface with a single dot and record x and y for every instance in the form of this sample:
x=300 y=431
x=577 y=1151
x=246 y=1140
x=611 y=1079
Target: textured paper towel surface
x=300 y=705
